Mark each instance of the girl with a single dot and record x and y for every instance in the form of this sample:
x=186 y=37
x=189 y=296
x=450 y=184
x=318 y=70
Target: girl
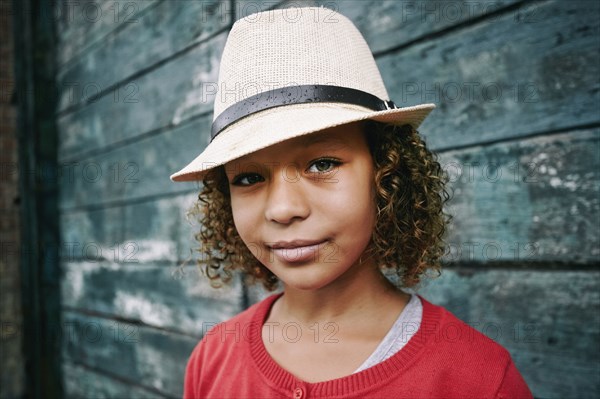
x=316 y=182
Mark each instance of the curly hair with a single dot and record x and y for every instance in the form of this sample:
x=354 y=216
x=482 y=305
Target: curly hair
x=408 y=238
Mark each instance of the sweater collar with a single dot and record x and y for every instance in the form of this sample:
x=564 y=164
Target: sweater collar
x=286 y=382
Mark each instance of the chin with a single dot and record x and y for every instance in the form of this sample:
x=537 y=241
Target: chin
x=303 y=286
x=305 y=280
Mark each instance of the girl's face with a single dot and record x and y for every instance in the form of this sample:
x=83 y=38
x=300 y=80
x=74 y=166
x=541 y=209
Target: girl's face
x=306 y=207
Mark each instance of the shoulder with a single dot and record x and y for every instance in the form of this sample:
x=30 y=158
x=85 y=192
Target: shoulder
x=224 y=349
x=448 y=331
x=465 y=354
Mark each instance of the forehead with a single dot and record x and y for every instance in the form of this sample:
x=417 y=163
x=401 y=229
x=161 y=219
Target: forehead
x=344 y=136
x=323 y=138
x=339 y=138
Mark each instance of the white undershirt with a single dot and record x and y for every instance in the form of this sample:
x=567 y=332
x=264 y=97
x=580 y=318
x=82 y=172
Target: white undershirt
x=401 y=332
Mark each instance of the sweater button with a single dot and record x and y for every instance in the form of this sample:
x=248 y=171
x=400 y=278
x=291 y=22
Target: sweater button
x=298 y=393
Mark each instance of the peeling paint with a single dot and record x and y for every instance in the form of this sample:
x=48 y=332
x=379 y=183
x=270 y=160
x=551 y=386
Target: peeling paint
x=556 y=182
x=140 y=251
x=198 y=94
x=76 y=283
x=135 y=305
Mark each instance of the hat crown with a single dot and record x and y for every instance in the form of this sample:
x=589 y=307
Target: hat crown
x=291 y=47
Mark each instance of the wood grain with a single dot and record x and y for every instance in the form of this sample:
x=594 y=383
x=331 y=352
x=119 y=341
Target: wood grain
x=113 y=62
x=525 y=72
x=533 y=201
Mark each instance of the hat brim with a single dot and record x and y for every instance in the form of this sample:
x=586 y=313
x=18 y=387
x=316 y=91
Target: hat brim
x=275 y=125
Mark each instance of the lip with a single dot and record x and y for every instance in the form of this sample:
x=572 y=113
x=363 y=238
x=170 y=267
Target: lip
x=294 y=244
x=297 y=251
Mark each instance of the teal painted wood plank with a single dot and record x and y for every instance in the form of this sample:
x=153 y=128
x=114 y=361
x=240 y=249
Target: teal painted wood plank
x=136 y=170
x=533 y=201
x=507 y=76
x=549 y=321
x=151 y=231
x=244 y=8
x=392 y=23
x=170 y=297
x=160 y=32
x=85 y=25
x=154 y=358
x=81 y=383
x=162 y=98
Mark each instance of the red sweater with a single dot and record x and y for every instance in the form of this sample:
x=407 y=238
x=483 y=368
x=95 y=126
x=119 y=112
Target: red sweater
x=444 y=359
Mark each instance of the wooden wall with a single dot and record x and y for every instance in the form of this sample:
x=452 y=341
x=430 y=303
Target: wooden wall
x=517 y=128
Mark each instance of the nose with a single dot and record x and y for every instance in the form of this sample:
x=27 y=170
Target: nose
x=287 y=200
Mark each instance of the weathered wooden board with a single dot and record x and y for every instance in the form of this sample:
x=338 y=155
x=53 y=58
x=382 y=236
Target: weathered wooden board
x=174 y=297
x=533 y=201
x=243 y=8
x=531 y=68
x=149 y=231
x=82 y=383
x=162 y=98
x=148 y=356
x=391 y=23
x=512 y=75
x=549 y=321
x=154 y=38
x=136 y=170
x=84 y=25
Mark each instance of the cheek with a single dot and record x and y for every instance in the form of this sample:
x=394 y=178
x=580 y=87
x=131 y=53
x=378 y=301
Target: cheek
x=238 y=215
x=364 y=192
x=367 y=207
x=355 y=206
x=242 y=217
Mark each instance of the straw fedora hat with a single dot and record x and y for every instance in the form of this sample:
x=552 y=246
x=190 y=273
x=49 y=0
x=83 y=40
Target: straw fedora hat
x=291 y=72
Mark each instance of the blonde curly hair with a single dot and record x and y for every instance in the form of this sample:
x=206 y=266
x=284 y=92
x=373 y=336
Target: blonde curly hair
x=408 y=238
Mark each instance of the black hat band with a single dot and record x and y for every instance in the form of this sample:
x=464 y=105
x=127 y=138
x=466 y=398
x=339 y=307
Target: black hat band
x=296 y=95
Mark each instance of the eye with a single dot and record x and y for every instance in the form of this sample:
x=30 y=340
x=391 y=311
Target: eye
x=247 y=179
x=323 y=165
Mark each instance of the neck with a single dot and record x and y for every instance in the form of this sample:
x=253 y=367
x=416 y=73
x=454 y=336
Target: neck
x=364 y=293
